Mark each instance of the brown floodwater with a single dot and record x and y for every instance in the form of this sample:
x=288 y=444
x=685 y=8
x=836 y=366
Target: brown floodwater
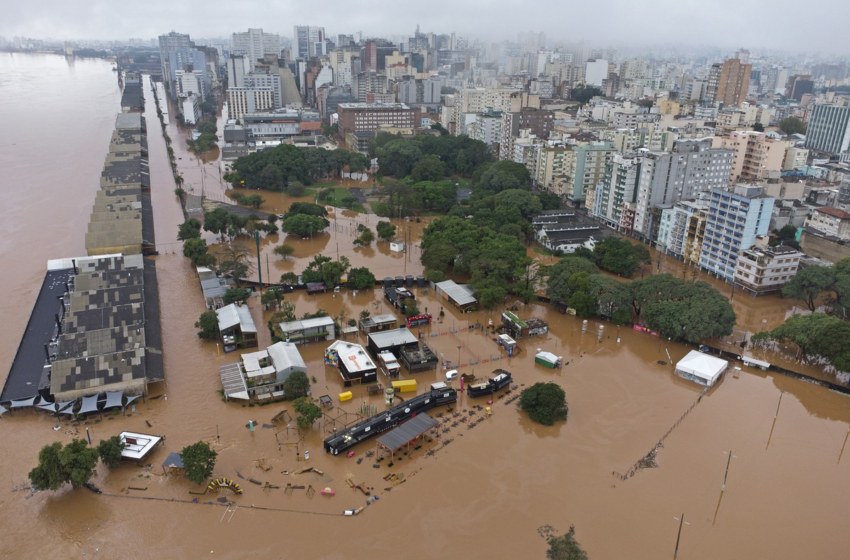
x=482 y=496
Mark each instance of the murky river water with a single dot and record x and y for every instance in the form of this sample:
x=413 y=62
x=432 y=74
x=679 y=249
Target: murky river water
x=482 y=496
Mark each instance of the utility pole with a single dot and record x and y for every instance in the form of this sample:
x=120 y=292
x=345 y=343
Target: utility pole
x=259 y=262
x=726 y=476
x=775 y=416
x=679 y=536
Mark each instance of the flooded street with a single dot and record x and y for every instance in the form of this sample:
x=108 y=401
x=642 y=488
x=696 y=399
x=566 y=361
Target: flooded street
x=482 y=496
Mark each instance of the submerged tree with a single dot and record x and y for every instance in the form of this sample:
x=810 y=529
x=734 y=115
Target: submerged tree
x=307 y=411
x=110 y=451
x=59 y=465
x=198 y=461
x=545 y=403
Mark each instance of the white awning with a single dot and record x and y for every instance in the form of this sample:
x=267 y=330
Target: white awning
x=43 y=404
x=3 y=410
x=67 y=408
x=89 y=405
x=23 y=402
x=114 y=399
x=131 y=398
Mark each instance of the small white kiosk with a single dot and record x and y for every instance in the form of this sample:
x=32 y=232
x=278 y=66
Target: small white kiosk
x=702 y=368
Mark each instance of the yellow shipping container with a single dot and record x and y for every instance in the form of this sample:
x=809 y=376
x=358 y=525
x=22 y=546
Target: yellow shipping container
x=405 y=386
x=346 y=396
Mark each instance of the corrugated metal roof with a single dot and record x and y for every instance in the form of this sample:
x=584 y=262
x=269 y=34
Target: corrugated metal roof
x=462 y=295
x=306 y=324
x=232 y=315
x=394 y=337
x=285 y=356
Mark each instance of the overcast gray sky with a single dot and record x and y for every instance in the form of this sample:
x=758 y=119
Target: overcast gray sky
x=777 y=24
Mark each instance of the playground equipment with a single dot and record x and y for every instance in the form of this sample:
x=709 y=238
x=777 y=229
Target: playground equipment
x=218 y=483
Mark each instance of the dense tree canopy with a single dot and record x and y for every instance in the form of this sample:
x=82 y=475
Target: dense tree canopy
x=682 y=310
x=585 y=93
x=277 y=168
x=792 y=125
x=198 y=461
x=460 y=154
x=58 y=465
x=190 y=229
x=303 y=225
x=324 y=269
x=386 y=230
x=196 y=250
x=545 y=403
x=809 y=284
x=429 y=168
x=398 y=158
x=558 y=287
x=110 y=450
x=296 y=385
x=307 y=412
x=359 y=278
x=501 y=176
x=207 y=325
x=620 y=256
x=817 y=335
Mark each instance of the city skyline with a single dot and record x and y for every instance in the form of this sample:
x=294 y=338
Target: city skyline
x=722 y=24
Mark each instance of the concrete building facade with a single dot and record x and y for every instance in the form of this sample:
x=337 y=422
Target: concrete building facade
x=829 y=128
x=735 y=219
x=765 y=270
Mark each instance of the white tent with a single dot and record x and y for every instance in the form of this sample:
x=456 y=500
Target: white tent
x=702 y=368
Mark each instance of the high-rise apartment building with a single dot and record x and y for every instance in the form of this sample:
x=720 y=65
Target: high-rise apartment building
x=254 y=44
x=735 y=219
x=370 y=56
x=756 y=156
x=589 y=163
x=167 y=44
x=692 y=169
x=829 y=128
x=617 y=190
x=733 y=82
x=309 y=41
x=244 y=100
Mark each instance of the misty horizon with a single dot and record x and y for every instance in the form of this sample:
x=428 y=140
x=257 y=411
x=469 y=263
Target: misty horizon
x=720 y=25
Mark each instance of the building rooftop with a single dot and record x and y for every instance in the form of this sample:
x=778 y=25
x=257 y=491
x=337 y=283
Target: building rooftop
x=285 y=355
x=373 y=106
x=395 y=337
x=834 y=212
x=137 y=446
x=462 y=295
x=316 y=322
x=232 y=315
x=354 y=356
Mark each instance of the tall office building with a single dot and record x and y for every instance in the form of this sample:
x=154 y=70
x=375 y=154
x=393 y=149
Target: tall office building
x=254 y=44
x=167 y=44
x=797 y=86
x=829 y=128
x=733 y=82
x=309 y=41
x=370 y=56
